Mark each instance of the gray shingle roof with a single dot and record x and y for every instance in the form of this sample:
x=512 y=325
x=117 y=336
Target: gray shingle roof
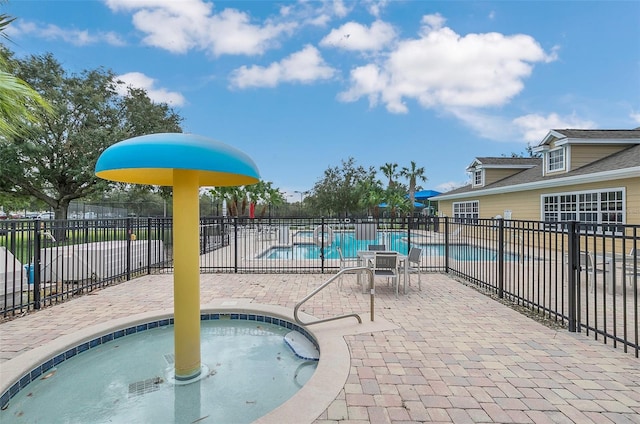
x=600 y=134
x=508 y=161
x=627 y=158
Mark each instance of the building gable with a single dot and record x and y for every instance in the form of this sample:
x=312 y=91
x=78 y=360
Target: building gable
x=595 y=179
x=564 y=151
x=488 y=170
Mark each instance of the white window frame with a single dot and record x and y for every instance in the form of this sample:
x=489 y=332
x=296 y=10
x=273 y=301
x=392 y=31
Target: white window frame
x=478 y=178
x=467 y=211
x=556 y=165
x=605 y=208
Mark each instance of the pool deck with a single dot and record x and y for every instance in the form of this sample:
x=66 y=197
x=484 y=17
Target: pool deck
x=444 y=354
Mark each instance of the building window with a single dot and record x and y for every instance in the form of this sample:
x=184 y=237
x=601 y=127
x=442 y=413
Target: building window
x=478 y=178
x=611 y=210
x=603 y=209
x=555 y=160
x=466 y=211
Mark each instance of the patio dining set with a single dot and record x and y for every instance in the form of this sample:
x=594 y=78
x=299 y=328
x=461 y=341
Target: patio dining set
x=388 y=264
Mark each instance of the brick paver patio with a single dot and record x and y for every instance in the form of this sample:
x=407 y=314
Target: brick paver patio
x=456 y=355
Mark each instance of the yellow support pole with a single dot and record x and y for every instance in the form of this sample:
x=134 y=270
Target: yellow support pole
x=186 y=277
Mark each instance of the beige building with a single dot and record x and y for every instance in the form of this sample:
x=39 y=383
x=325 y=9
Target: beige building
x=582 y=175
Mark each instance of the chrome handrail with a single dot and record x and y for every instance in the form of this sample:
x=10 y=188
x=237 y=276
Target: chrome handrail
x=355 y=269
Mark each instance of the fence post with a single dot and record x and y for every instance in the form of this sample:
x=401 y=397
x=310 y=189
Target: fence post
x=446 y=244
x=149 y=246
x=572 y=269
x=235 y=245
x=501 y=258
x=322 y=224
x=12 y=242
x=410 y=219
x=128 y=260
x=36 y=265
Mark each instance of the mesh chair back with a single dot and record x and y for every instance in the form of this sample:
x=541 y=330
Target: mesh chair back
x=377 y=247
x=340 y=253
x=414 y=254
x=386 y=261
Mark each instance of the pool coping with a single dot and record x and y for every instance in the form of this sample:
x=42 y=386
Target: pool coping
x=306 y=405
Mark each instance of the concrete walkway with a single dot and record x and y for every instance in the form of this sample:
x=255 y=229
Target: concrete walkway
x=456 y=355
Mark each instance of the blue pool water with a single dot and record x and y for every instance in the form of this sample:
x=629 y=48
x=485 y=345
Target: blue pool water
x=125 y=380
x=304 y=248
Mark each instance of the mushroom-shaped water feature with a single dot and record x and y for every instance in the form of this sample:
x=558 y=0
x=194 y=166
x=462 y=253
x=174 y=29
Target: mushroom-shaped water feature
x=186 y=162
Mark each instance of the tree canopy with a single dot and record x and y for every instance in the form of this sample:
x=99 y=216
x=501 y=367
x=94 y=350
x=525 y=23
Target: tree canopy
x=262 y=195
x=339 y=190
x=413 y=174
x=351 y=188
x=55 y=160
x=19 y=103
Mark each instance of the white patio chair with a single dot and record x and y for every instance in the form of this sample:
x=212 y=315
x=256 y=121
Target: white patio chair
x=386 y=265
x=585 y=264
x=345 y=263
x=630 y=256
x=377 y=247
x=413 y=264
x=630 y=268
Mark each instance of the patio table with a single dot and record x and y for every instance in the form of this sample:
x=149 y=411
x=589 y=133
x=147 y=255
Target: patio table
x=366 y=257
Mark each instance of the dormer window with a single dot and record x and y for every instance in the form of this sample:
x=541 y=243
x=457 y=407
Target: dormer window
x=478 y=178
x=555 y=160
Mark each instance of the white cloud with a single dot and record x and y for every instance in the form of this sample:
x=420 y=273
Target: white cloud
x=529 y=129
x=191 y=24
x=304 y=66
x=635 y=116
x=321 y=13
x=71 y=36
x=533 y=127
x=486 y=125
x=339 y=8
x=353 y=36
x=448 y=186
x=367 y=80
x=157 y=95
x=443 y=69
x=375 y=6
x=432 y=22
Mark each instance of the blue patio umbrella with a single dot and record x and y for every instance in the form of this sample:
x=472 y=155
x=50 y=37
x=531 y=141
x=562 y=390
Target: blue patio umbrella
x=425 y=194
x=415 y=204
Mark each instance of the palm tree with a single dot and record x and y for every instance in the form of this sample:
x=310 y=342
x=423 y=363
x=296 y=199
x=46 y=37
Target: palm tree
x=396 y=202
x=389 y=171
x=20 y=105
x=371 y=194
x=413 y=174
x=255 y=192
x=272 y=196
x=263 y=194
x=233 y=196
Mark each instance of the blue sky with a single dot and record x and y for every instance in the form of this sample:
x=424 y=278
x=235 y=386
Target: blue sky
x=301 y=86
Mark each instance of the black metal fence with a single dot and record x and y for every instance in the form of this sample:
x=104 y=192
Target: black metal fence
x=46 y=262
x=581 y=276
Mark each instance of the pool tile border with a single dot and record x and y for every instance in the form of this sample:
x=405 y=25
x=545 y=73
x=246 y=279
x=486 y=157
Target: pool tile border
x=49 y=364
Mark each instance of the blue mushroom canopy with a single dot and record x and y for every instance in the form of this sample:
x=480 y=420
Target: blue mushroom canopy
x=151 y=159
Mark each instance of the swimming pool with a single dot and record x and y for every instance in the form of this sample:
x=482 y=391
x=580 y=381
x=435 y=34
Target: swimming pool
x=397 y=241
x=124 y=376
x=304 y=248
